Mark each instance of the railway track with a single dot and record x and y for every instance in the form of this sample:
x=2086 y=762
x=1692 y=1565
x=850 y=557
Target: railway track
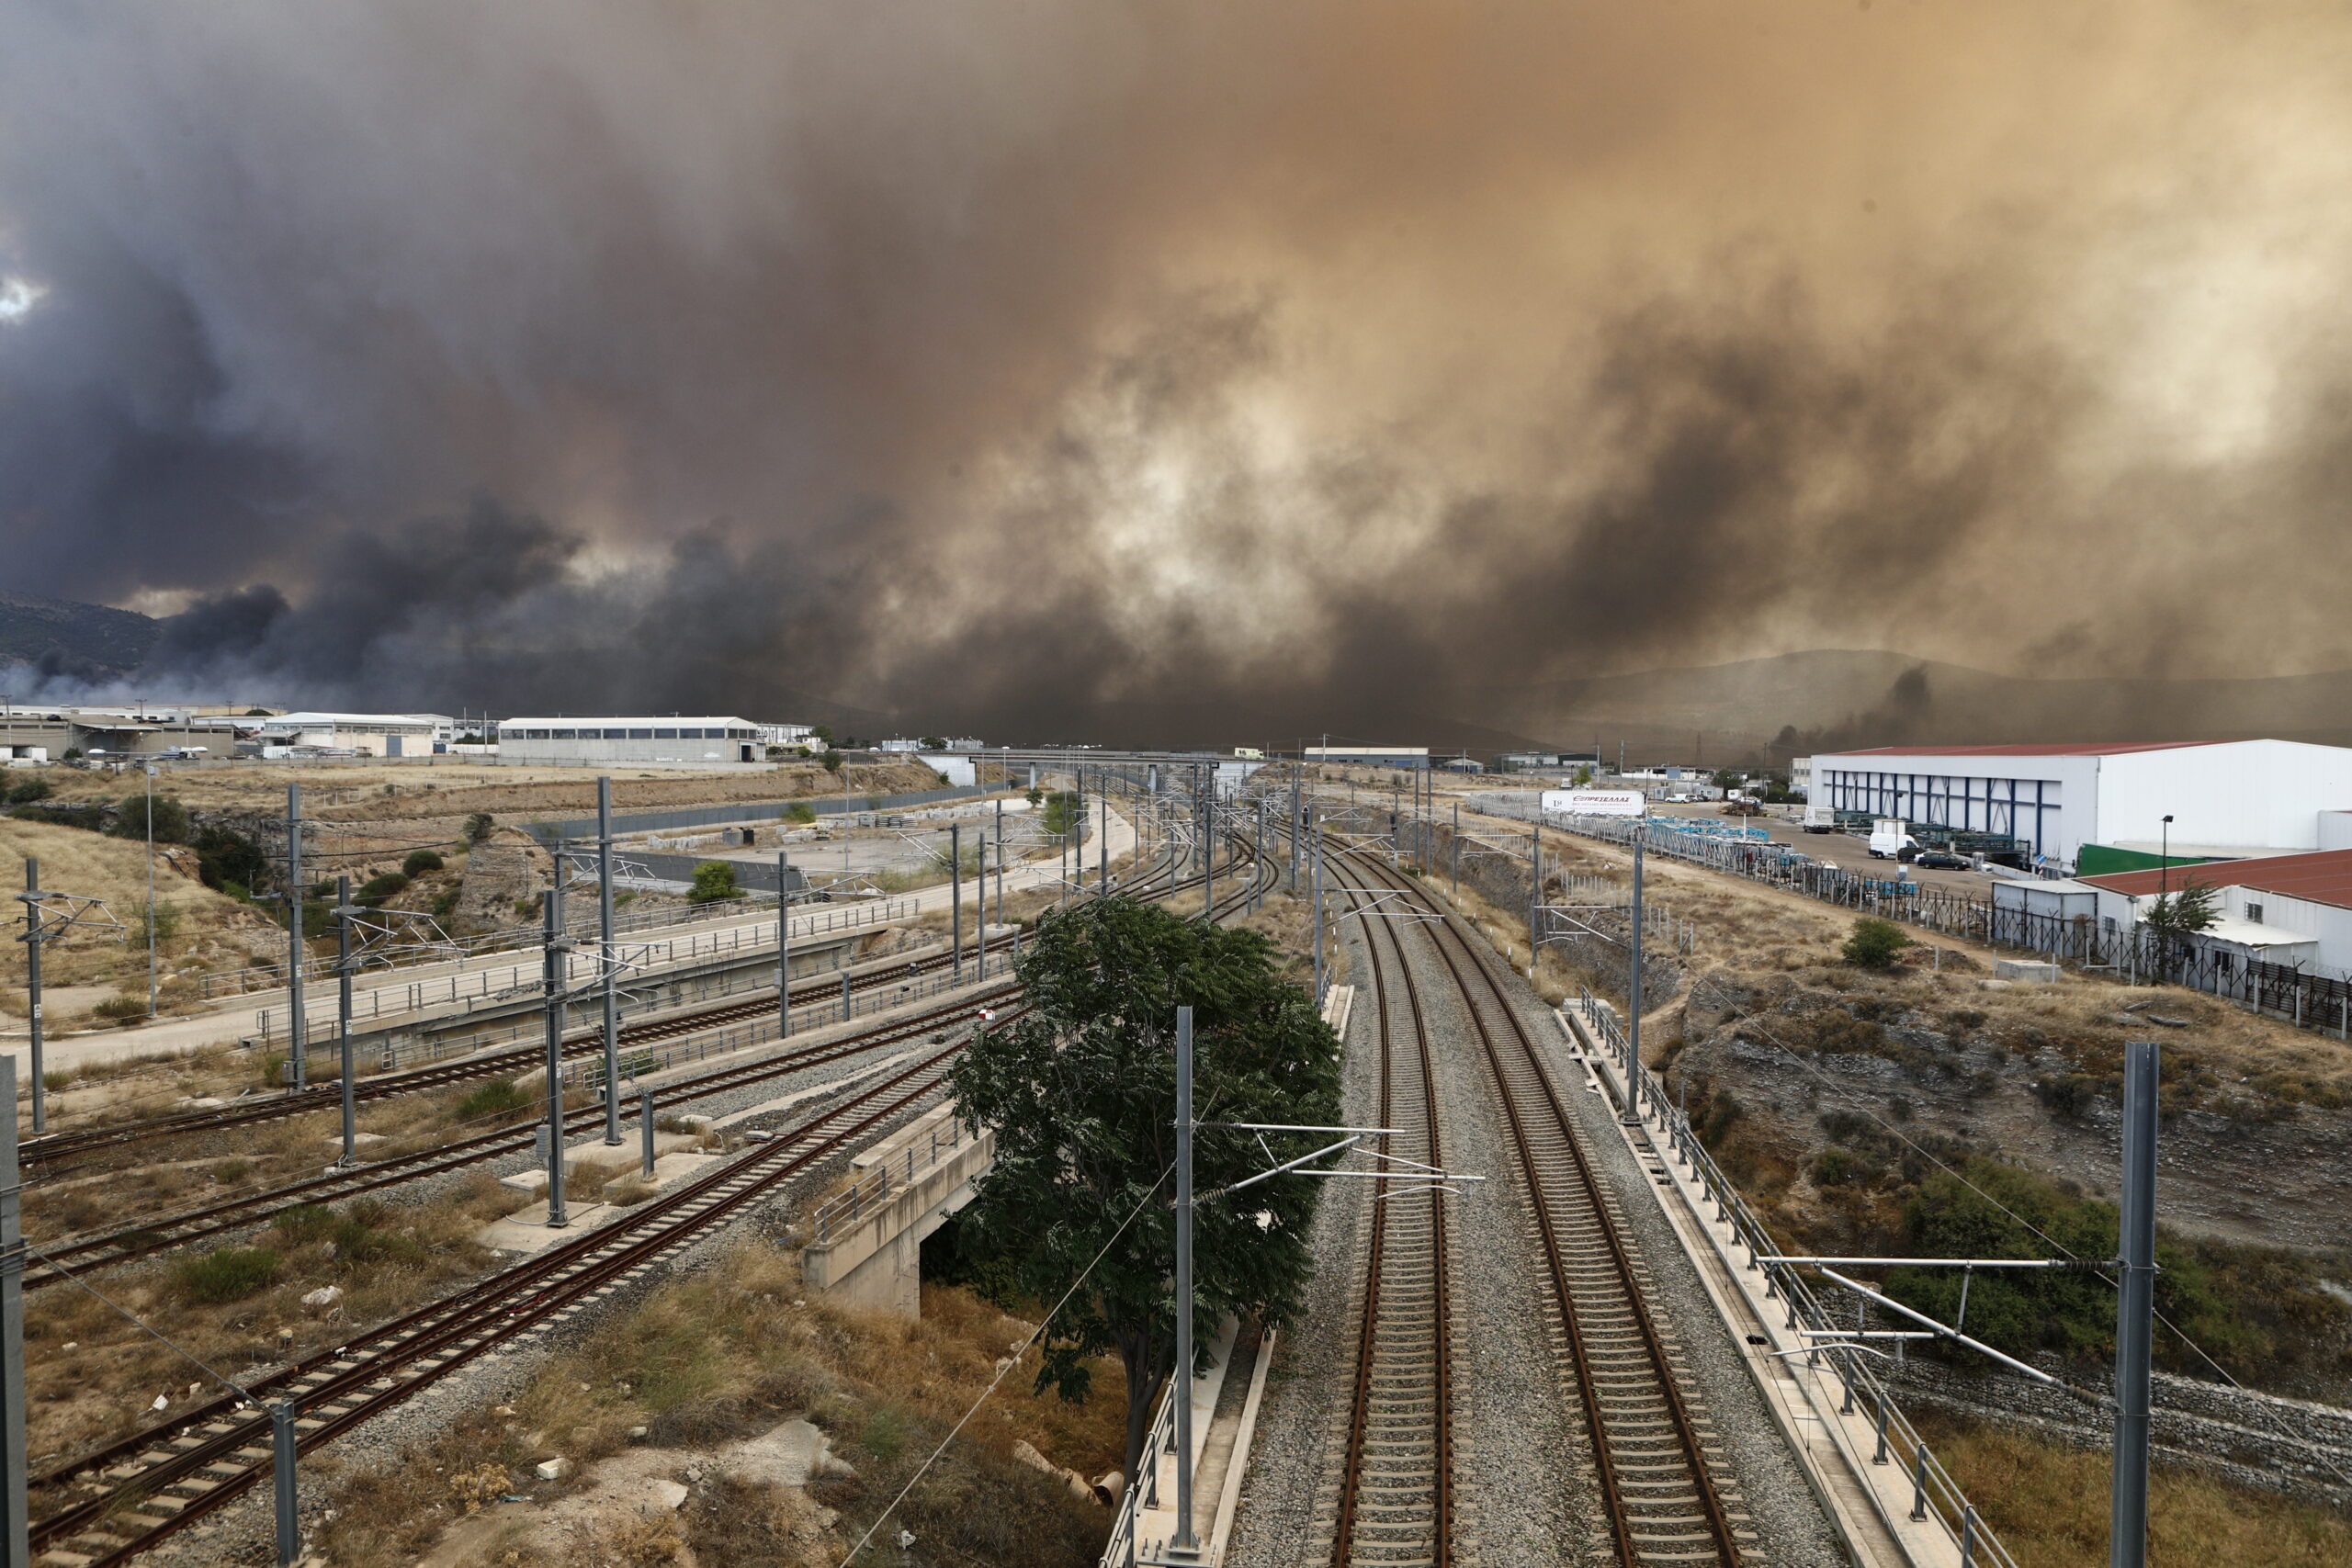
x=1658 y=1466
x=107 y=1506
x=60 y=1153
x=55 y=1261
x=1393 y=1500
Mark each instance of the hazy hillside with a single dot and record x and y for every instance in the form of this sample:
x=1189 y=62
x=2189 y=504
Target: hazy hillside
x=1829 y=698
x=90 y=641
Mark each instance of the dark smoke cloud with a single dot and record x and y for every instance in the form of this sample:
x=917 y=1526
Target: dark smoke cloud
x=1031 y=367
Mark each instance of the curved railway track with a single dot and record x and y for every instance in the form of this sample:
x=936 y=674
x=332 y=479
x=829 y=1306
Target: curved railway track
x=1657 y=1464
x=107 y=1505
x=1393 y=1502
x=60 y=1153
x=54 y=1261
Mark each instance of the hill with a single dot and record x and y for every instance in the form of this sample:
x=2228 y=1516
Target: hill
x=66 y=638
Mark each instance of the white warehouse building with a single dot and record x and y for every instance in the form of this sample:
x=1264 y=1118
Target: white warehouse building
x=585 y=742
x=2227 y=800
x=366 y=734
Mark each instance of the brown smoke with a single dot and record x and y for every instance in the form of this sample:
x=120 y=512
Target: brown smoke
x=1006 y=362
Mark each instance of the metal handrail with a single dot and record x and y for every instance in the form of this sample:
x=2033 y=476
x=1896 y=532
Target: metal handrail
x=1932 y=1485
x=848 y=1207
x=1123 y=1547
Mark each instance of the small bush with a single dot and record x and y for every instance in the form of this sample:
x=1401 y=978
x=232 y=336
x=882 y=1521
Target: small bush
x=29 y=790
x=231 y=1274
x=499 y=1097
x=714 y=880
x=419 y=861
x=801 y=813
x=58 y=1077
x=379 y=889
x=304 y=1222
x=479 y=827
x=1875 y=943
x=123 y=1009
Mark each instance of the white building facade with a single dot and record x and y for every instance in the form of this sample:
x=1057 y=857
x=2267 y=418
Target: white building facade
x=2294 y=909
x=2226 y=799
x=364 y=734
x=594 y=742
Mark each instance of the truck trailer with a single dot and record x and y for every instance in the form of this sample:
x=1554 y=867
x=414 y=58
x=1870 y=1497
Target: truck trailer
x=1596 y=802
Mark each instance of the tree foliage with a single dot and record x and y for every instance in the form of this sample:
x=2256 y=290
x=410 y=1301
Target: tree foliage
x=1081 y=1094
x=1875 y=943
x=714 y=880
x=2193 y=908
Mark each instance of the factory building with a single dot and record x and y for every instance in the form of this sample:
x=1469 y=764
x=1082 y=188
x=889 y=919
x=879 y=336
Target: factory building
x=2102 y=808
x=601 y=742
x=2290 y=910
x=359 y=734
x=1370 y=756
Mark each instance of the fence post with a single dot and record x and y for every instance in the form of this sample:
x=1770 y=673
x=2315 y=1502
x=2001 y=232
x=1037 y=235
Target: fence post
x=645 y=1124
x=282 y=1455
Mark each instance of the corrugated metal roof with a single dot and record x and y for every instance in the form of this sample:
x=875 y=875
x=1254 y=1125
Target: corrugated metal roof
x=2094 y=751
x=2321 y=878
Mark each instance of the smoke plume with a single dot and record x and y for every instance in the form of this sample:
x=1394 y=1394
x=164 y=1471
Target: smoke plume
x=1010 y=366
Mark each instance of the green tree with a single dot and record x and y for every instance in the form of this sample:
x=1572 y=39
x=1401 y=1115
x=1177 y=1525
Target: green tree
x=1584 y=775
x=1728 y=778
x=932 y=743
x=833 y=761
x=2178 y=915
x=479 y=827
x=1875 y=943
x=714 y=880
x=1081 y=1095
x=171 y=819
x=419 y=861
x=799 y=813
x=823 y=733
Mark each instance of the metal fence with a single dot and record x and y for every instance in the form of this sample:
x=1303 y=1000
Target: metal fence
x=509 y=981
x=2308 y=996
x=1932 y=1486
x=871 y=1190
x=1124 y=1549
x=637 y=1060
x=753 y=811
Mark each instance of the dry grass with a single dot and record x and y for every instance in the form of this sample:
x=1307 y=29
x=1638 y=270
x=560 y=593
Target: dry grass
x=96 y=866
x=731 y=1351
x=102 y=1388
x=2049 y=1504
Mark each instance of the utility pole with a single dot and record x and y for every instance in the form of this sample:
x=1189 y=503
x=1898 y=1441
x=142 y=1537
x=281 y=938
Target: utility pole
x=32 y=940
x=610 y=975
x=955 y=905
x=343 y=910
x=2134 y=1310
x=298 y=1051
x=999 y=860
x=1103 y=850
x=1534 y=896
x=154 y=932
x=15 y=1548
x=558 y=975
x=981 y=910
x=1208 y=851
x=1179 y=1388
x=1634 y=999
x=782 y=951
x=1456 y=848
x=1315 y=859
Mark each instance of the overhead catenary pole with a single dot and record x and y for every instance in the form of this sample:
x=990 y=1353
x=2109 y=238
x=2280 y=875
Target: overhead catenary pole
x=556 y=976
x=1315 y=868
x=1456 y=849
x=343 y=910
x=1633 y=996
x=296 y=1052
x=980 y=911
x=955 y=902
x=15 y=1549
x=1180 y=1386
x=610 y=972
x=33 y=938
x=782 y=951
x=1534 y=897
x=283 y=1445
x=154 y=933
x=2134 y=1310
x=999 y=860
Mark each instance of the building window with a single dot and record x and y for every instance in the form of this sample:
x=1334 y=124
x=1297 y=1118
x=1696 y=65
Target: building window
x=616 y=735
x=2253 y=914
x=665 y=735
x=648 y=734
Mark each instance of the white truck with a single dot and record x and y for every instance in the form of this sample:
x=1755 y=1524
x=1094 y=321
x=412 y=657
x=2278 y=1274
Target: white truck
x=1596 y=802
x=1890 y=837
x=1820 y=818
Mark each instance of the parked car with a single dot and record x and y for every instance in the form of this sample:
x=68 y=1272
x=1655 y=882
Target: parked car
x=1943 y=859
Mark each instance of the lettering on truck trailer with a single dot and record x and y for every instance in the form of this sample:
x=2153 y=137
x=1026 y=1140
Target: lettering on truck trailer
x=1596 y=802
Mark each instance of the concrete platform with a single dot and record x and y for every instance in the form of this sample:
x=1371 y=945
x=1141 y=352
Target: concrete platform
x=525 y=1231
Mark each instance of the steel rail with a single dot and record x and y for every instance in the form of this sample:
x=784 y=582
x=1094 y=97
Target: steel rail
x=1383 y=1400
x=1625 y=1378
x=202 y=1460
x=46 y=1151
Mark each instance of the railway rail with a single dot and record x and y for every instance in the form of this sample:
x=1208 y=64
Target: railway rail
x=1658 y=1470
x=107 y=1505
x=59 y=1154
x=1393 y=1501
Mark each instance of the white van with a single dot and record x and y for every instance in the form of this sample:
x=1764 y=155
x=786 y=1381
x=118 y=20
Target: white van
x=1890 y=837
x=1820 y=818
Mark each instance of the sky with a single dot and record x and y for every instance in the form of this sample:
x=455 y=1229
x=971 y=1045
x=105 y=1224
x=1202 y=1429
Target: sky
x=998 y=362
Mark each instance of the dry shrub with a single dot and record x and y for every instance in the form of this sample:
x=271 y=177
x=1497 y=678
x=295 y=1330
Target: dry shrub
x=2049 y=1504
